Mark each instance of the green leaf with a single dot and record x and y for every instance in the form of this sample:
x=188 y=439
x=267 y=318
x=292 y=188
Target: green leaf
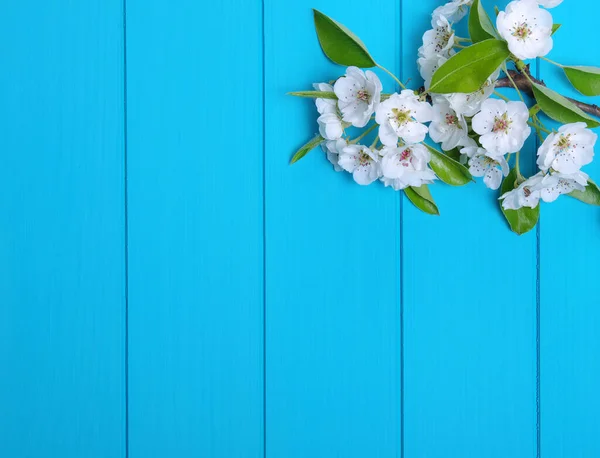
x=314 y=94
x=480 y=25
x=340 y=44
x=454 y=154
x=447 y=169
x=590 y=195
x=555 y=27
x=521 y=220
x=559 y=108
x=469 y=69
x=421 y=198
x=585 y=79
x=307 y=148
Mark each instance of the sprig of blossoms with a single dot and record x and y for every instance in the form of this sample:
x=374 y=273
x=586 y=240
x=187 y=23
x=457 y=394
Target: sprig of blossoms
x=481 y=132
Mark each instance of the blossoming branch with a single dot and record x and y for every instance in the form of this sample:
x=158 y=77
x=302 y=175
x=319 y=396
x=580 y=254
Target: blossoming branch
x=479 y=132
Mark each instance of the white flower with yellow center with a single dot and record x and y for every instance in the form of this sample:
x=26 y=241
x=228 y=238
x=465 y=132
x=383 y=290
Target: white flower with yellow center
x=554 y=185
x=402 y=116
x=502 y=126
x=447 y=127
x=406 y=166
x=527 y=28
x=361 y=162
x=492 y=169
x=358 y=95
x=333 y=149
x=330 y=121
x=454 y=11
x=438 y=41
x=567 y=150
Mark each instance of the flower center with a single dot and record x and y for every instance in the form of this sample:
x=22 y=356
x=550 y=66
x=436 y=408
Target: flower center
x=405 y=156
x=363 y=95
x=564 y=143
x=443 y=37
x=501 y=124
x=522 y=31
x=401 y=116
x=526 y=191
x=364 y=158
x=452 y=120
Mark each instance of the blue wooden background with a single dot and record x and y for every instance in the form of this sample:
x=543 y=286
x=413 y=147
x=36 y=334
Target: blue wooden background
x=170 y=287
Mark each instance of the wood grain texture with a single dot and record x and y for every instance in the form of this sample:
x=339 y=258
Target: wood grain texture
x=62 y=297
x=195 y=218
x=469 y=313
x=332 y=264
x=569 y=313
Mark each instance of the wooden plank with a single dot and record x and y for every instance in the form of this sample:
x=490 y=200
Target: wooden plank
x=332 y=319
x=569 y=314
x=62 y=263
x=469 y=308
x=195 y=218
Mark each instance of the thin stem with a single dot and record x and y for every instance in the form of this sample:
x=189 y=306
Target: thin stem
x=363 y=135
x=461 y=39
x=374 y=142
x=392 y=75
x=552 y=62
x=517 y=158
x=456 y=45
x=503 y=97
x=513 y=83
x=538 y=127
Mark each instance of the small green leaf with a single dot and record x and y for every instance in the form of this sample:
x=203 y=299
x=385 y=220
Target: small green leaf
x=480 y=25
x=469 y=69
x=559 y=108
x=340 y=44
x=585 y=79
x=447 y=169
x=314 y=94
x=307 y=148
x=521 y=220
x=555 y=27
x=590 y=195
x=421 y=198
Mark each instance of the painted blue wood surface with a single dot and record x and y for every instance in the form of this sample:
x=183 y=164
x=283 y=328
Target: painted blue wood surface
x=332 y=260
x=169 y=286
x=62 y=251
x=195 y=153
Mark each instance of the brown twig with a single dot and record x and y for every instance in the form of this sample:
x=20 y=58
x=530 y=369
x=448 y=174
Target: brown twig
x=524 y=85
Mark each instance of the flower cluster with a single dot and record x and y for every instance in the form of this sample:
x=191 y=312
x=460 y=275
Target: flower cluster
x=401 y=160
x=480 y=131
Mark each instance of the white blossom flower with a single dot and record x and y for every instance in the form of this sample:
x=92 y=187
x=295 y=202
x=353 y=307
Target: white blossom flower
x=454 y=10
x=470 y=104
x=325 y=105
x=362 y=162
x=402 y=116
x=330 y=121
x=428 y=66
x=447 y=127
x=406 y=166
x=527 y=194
x=438 y=41
x=556 y=184
x=359 y=94
x=333 y=149
x=473 y=150
x=549 y=3
x=492 y=169
x=567 y=150
x=502 y=126
x=527 y=28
